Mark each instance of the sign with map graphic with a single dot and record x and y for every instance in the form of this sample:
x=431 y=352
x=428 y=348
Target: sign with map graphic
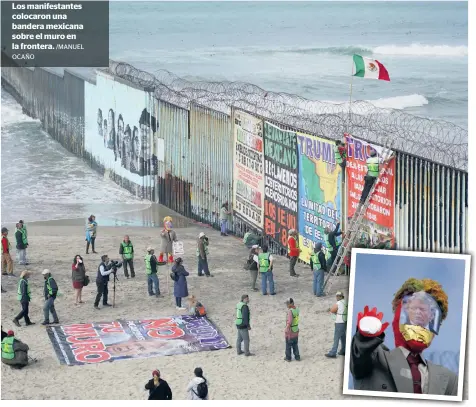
x=320 y=189
x=248 y=176
x=379 y=218
x=281 y=183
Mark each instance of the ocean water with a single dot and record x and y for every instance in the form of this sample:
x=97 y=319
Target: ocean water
x=299 y=48
x=306 y=48
x=43 y=181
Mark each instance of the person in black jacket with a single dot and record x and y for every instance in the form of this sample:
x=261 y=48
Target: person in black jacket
x=158 y=389
x=253 y=266
x=102 y=279
x=243 y=325
x=50 y=292
x=318 y=266
x=331 y=241
x=21 y=245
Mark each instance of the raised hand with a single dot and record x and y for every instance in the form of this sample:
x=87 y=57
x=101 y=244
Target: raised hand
x=369 y=323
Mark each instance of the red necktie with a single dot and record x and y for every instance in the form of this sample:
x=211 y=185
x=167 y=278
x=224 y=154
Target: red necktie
x=414 y=361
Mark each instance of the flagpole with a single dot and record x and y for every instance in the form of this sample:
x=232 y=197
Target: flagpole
x=350 y=97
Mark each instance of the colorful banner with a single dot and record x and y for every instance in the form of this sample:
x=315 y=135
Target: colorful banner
x=320 y=189
x=281 y=182
x=93 y=343
x=248 y=178
x=379 y=220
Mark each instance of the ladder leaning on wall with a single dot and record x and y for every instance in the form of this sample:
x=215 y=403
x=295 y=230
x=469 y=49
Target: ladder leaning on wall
x=354 y=226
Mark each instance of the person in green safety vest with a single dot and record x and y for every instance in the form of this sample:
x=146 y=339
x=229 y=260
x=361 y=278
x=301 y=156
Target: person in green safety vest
x=373 y=172
x=339 y=311
x=24 y=296
x=126 y=250
x=50 y=292
x=151 y=263
x=291 y=333
x=265 y=267
x=22 y=244
x=14 y=351
x=202 y=255
x=331 y=241
x=243 y=325
x=318 y=266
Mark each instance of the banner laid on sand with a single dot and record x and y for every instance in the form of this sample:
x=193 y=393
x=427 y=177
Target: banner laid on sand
x=93 y=343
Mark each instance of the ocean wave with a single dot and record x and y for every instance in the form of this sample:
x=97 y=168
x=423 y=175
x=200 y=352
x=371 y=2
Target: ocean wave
x=422 y=50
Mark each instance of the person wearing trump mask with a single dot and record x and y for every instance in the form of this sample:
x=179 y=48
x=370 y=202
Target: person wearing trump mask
x=419 y=307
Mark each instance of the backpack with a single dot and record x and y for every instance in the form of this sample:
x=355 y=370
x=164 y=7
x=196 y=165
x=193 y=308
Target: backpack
x=200 y=310
x=202 y=390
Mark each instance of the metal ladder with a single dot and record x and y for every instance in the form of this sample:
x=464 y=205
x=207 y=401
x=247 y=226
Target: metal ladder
x=354 y=227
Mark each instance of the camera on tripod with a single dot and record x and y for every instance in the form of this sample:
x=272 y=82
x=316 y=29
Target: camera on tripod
x=115 y=265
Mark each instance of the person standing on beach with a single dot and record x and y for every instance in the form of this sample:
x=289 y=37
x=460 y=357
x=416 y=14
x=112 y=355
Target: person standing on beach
x=265 y=264
x=202 y=255
x=291 y=333
x=168 y=236
x=224 y=213
x=339 y=311
x=198 y=386
x=252 y=264
x=7 y=262
x=318 y=266
x=243 y=325
x=293 y=251
x=180 y=282
x=158 y=389
x=91 y=230
x=24 y=296
x=22 y=244
x=126 y=250
x=151 y=271
x=102 y=279
x=78 y=276
x=50 y=292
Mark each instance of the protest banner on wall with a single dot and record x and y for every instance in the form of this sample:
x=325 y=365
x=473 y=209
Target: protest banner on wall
x=248 y=177
x=379 y=218
x=320 y=189
x=281 y=182
x=93 y=343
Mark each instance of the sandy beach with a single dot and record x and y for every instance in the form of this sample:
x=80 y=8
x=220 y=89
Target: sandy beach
x=263 y=376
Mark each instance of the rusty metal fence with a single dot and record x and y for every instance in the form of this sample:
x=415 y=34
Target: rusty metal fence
x=193 y=145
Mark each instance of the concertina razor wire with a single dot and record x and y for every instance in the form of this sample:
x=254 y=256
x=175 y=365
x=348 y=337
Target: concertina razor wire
x=435 y=140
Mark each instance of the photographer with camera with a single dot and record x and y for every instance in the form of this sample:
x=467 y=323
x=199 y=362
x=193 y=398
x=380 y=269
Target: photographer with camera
x=102 y=279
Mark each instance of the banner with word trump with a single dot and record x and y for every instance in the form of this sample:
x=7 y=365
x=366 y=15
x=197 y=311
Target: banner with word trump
x=248 y=177
x=98 y=342
x=379 y=218
x=320 y=189
x=281 y=183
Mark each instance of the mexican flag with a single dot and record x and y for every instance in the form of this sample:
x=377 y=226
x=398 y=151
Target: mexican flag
x=370 y=69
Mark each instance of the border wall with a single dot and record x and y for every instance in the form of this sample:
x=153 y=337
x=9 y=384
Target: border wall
x=194 y=148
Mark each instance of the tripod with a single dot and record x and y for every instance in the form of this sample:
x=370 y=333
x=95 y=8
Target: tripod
x=114 y=289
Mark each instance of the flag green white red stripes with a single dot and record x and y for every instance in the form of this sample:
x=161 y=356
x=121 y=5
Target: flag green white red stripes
x=370 y=69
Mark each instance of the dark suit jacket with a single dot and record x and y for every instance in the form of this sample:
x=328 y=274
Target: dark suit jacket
x=376 y=368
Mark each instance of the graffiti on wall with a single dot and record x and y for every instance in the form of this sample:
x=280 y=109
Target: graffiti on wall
x=320 y=189
x=379 y=219
x=281 y=183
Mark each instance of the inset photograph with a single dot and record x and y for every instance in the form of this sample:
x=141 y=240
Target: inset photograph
x=407 y=325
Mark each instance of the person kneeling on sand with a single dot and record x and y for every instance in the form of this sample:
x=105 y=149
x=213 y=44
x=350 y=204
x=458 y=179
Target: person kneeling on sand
x=158 y=388
x=14 y=351
x=198 y=386
x=195 y=308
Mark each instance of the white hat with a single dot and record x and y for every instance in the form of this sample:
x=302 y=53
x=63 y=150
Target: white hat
x=339 y=294
x=45 y=271
x=149 y=249
x=201 y=235
x=255 y=246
